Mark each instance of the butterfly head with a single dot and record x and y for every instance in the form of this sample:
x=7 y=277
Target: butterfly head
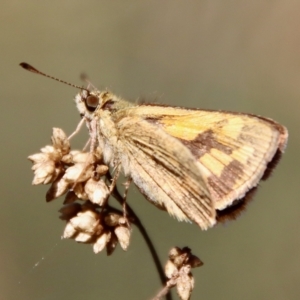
x=89 y=102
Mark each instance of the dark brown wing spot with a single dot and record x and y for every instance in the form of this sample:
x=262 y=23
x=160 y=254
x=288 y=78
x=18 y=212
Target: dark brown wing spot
x=203 y=143
x=220 y=186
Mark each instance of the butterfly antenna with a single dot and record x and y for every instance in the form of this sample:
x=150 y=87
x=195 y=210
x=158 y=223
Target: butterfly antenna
x=30 y=68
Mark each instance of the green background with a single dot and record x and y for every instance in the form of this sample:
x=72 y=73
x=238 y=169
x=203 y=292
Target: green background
x=231 y=55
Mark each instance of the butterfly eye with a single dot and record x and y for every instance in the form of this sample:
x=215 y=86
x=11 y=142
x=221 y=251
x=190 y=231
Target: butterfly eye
x=92 y=102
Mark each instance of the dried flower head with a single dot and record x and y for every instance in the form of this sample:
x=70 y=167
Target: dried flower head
x=86 y=224
x=178 y=270
x=47 y=165
x=79 y=175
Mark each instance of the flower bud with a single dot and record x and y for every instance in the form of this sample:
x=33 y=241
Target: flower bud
x=37 y=158
x=170 y=269
x=86 y=221
x=78 y=173
x=97 y=191
x=102 y=169
x=58 y=188
x=79 y=191
x=80 y=157
x=83 y=237
x=111 y=244
x=195 y=261
x=185 y=284
x=70 y=197
x=112 y=219
x=101 y=242
x=69 y=211
x=123 y=235
x=174 y=252
x=60 y=141
x=69 y=231
x=45 y=173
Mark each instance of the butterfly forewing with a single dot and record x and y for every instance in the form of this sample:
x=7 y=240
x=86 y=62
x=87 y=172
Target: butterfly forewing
x=232 y=150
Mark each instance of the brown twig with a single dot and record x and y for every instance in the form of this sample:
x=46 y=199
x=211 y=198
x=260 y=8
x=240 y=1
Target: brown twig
x=165 y=290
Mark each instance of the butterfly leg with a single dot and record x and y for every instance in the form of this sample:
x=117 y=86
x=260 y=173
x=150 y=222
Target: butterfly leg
x=126 y=189
x=92 y=127
x=115 y=177
x=77 y=128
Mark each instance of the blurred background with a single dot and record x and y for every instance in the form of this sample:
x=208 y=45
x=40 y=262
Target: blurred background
x=230 y=55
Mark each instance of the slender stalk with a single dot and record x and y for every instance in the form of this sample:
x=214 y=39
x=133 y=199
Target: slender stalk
x=165 y=290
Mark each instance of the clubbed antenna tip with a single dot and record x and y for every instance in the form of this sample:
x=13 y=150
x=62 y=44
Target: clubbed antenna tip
x=30 y=68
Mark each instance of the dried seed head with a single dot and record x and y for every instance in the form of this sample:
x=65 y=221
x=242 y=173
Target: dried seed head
x=87 y=222
x=184 y=256
x=170 y=269
x=102 y=169
x=69 y=211
x=83 y=237
x=70 y=197
x=79 y=191
x=174 y=252
x=47 y=165
x=124 y=221
x=80 y=157
x=60 y=141
x=67 y=159
x=97 y=191
x=78 y=175
x=185 y=283
x=80 y=172
x=44 y=172
x=87 y=157
x=178 y=270
x=58 y=188
x=38 y=158
x=111 y=244
x=101 y=242
x=123 y=235
x=69 y=231
x=112 y=219
x=195 y=261
x=52 y=153
x=180 y=258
